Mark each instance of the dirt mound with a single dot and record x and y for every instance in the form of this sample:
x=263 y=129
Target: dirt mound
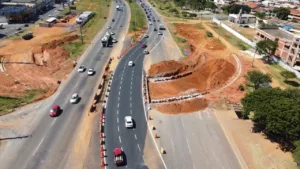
x=166 y=68
x=211 y=75
x=215 y=44
x=41 y=67
x=188 y=106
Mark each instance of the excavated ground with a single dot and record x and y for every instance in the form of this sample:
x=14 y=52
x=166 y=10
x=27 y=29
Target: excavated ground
x=210 y=61
x=38 y=63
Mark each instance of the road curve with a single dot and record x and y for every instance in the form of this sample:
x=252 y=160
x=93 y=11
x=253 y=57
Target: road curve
x=52 y=139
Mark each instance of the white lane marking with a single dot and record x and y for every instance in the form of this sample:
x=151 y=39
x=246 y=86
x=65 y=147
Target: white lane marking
x=117 y=111
x=188 y=144
x=173 y=145
x=131 y=83
x=117 y=119
x=130 y=105
x=53 y=122
x=40 y=143
x=182 y=122
x=130 y=111
x=118 y=129
x=118 y=99
x=194 y=166
x=139 y=147
x=135 y=136
x=120 y=139
x=130 y=98
x=120 y=87
x=118 y=105
x=130 y=92
x=119 y=92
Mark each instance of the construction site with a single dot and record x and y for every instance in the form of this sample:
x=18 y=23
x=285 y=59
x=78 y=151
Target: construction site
x=39 y=63
x=210 y=66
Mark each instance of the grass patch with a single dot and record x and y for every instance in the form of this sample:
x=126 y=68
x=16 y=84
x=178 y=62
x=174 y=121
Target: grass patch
x=275 y=70
x=64 y=12
x=8 y=104
x=167 y=8
x=199 y=26
x=75 y=49
x=229 y=37
x=138 y=17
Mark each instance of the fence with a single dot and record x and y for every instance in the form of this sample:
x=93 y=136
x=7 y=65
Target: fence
x=235 y=33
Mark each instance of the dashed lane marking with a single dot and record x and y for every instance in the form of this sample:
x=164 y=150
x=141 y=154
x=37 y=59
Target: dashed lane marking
x=120 y=139
x=118 y=105
x=139 y=147
x=118 y=129
x=130 y=105
x=119 y=93
x=117 y=111
x=120 y=87
x=117 y=119
x=182 y=122
x=135 y=136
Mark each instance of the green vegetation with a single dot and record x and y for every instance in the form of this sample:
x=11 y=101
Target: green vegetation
x=260 y=15
x=276 y=112
x=258 y=79
x=7 y=104
x=138 y=18
x=282 y=13
x=209 y=34
x=235 y=8
x=75 y=49
x=199 y=26
x=66 y=11
x=229 y=37
x=276 y=70
x=288 y=75
x=267 y=47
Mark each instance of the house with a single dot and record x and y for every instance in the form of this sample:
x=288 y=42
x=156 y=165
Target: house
x=242 y=19
x=288 y=43
x=295 y=14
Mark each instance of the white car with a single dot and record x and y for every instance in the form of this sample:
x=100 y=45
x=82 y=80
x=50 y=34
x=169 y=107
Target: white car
x=146 y=51
x=112 y=33
x=114 y=40
x=160 y=33
x=146 y=36
x=74 y=99
x=108 y=27
x=128 y=122
x=150 y=23
x=130 y=63
x=81 y=69
x=90 y=72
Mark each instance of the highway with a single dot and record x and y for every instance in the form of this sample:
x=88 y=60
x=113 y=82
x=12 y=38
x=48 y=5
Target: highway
x=125 y=99
x=50 y=143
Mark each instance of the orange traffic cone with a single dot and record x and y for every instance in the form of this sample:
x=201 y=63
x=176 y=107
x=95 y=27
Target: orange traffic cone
x=102 y=163
x=102 y=149
x=102 y=155
x=101 y=136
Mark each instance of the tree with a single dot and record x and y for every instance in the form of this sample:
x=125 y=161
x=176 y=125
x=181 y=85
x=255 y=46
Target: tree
x=282 y=13
x=258 y=78
x=210 y=5
x=267 y=47
x=296 y=152
x=260 y=15
x=288 y=75
x=235 y=9
x=276 y=113
x=180 y=3
x=196 y=4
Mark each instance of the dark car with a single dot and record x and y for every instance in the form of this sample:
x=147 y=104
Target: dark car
x=27 y=36
x=144 y=45
x=113 y=20
x=155 y=29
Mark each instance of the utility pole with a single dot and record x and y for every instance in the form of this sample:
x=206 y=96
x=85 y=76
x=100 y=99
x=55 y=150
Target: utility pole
x=254 y=56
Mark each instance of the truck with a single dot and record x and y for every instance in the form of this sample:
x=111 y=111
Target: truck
x=107 y=39
x=84 y=17
x=161 y=27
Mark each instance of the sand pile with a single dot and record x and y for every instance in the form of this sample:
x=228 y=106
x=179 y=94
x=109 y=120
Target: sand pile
x=211 y=75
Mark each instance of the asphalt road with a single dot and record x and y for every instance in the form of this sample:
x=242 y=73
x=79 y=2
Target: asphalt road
x=52 y=139
x=125 y=99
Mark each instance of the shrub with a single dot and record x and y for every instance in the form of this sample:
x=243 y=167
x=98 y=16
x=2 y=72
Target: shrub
x=209 y=34
x=173 y=10
x=241 y=87
x=193 y=15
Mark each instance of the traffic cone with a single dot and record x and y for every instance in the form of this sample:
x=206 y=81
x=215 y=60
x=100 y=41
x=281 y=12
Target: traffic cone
x=102 y=155
x=101 y=136
x=102 y=163
x=101 y=149
x=156 y=136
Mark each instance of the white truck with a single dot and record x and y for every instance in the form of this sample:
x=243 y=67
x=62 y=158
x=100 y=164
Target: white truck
x=84 y=17
x=161 y=27
x=106 y=40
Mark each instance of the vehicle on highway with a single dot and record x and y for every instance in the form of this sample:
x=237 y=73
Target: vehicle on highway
x=114 y=40
x=108 y=27
x=128 y=122
x=81 y=69
x=155 y=29
x=130 y=63
x=144 y=45
x=107 y=39
x=150 y=23
x=112 y=33
x=119 y=157
x=91 y=72
x=146 y=51
x=113 y=20
x=74 y=99
x=161 y=27
x=160 y=33
x=84 y=17
x=55 y=111
x=146 y=36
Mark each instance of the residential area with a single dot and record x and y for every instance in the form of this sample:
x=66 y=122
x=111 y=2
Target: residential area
x=150 y=84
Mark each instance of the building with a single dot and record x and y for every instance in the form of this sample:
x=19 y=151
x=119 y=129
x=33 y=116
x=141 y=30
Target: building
x=20 y=11
x=288 y=44
x=295 y=14
x=242 y=19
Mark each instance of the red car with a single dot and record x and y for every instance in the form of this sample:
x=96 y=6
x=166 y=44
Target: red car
x=144 y=45
x=119 y=158
x=55 y=111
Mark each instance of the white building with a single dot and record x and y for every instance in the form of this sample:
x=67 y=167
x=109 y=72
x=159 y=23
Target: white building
x=242 y=19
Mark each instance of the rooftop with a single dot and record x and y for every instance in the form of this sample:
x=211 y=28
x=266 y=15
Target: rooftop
x=277 y=33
